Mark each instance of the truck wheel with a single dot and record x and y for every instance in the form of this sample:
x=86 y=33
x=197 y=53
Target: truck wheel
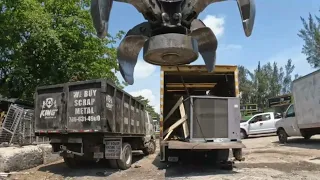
x=126 y=158
x=151 y=148
x=243 y=134
x=70 y=162
x=307 y=136
x=282 y=135
x=237 y=154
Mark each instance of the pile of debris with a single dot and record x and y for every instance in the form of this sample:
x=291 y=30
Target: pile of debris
x=18 y=127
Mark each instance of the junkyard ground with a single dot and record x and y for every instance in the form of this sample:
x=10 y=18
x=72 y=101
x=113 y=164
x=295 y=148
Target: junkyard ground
x=265 y=159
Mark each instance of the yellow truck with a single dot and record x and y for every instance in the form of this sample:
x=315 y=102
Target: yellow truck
x=200 y=114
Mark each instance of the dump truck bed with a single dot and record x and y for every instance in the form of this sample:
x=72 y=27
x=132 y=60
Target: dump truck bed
x=222 y=82
x=193 y=101
x=88 y=106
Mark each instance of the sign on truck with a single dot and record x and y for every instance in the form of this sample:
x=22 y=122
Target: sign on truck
x=93 y=120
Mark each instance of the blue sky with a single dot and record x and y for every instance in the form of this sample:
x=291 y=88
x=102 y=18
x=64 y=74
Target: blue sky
x=274 y=38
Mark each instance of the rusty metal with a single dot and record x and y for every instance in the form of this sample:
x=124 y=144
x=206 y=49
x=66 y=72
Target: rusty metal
x=247 y=10
x=178 y=12
x=170 y=49
x=129 y=48
x=167 y=22
x=113 y=111
x=207 y=43
x=127 y=54
x=100 y=12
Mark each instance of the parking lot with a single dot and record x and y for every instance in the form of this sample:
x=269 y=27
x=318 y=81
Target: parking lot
x=265 y=159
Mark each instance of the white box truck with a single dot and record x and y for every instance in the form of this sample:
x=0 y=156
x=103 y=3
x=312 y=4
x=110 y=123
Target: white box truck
x=302 y=118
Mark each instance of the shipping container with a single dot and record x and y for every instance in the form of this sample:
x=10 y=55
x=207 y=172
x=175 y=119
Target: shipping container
x=200 y=110
x=78 y=116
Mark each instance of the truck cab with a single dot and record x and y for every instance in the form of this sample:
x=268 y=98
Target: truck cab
x=288 y=126
x=261 y=123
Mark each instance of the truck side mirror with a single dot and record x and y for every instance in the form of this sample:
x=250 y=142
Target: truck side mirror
x=278 y=115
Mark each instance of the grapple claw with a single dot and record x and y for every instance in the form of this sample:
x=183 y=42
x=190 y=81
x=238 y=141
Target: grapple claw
x=127 y=55
x=247 y=10
x=207 y=43
x=100 y=12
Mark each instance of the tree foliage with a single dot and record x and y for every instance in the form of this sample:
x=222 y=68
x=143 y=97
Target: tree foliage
x=46 y=42
x=149 y=108
x=311 y=36
x=264 y=82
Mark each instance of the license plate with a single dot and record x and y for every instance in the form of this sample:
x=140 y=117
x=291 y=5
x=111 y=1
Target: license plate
x=173 y=159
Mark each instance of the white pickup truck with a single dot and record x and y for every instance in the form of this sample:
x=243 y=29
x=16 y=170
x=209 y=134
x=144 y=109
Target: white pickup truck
x=262 y=123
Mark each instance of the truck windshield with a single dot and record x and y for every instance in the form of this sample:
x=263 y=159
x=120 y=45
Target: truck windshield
x=290 y=111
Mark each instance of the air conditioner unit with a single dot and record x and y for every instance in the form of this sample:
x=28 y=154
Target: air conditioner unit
x=213 y=118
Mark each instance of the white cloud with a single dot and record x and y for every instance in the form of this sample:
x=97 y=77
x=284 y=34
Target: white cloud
x=215 y=23
x=229 y=47
x=147 y=93
x=143 y=69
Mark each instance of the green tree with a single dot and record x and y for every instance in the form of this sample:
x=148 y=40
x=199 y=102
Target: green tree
x=46 y=42
x=266 y=81
x=149 y=108
x=287 y=81
x=311 y=36
x=276 y=80
x=245 y=85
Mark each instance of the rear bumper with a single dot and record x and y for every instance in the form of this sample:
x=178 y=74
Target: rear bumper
x=202 y=145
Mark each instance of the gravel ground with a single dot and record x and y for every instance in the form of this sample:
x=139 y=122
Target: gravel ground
x=265 y=159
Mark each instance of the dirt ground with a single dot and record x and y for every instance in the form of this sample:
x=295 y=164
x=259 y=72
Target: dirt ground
x=265 y=159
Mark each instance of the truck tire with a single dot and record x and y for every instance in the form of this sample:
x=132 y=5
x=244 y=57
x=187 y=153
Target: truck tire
x=237 y=154
x=151 y=148
x=126 y=158
x=71 y=162
x=307 y=136
x=282 y=135
x=243 y=134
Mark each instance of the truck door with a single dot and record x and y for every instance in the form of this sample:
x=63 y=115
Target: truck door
x=149 y=125
x=49 y=109
x=268 y=123
x=255 y=125
x=290 y=123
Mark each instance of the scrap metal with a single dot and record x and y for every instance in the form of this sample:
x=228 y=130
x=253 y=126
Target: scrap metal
x=171 y=35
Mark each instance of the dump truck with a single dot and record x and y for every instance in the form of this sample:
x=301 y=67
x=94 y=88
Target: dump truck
x=200 y=114
x=302 y=117
x=93 y=120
